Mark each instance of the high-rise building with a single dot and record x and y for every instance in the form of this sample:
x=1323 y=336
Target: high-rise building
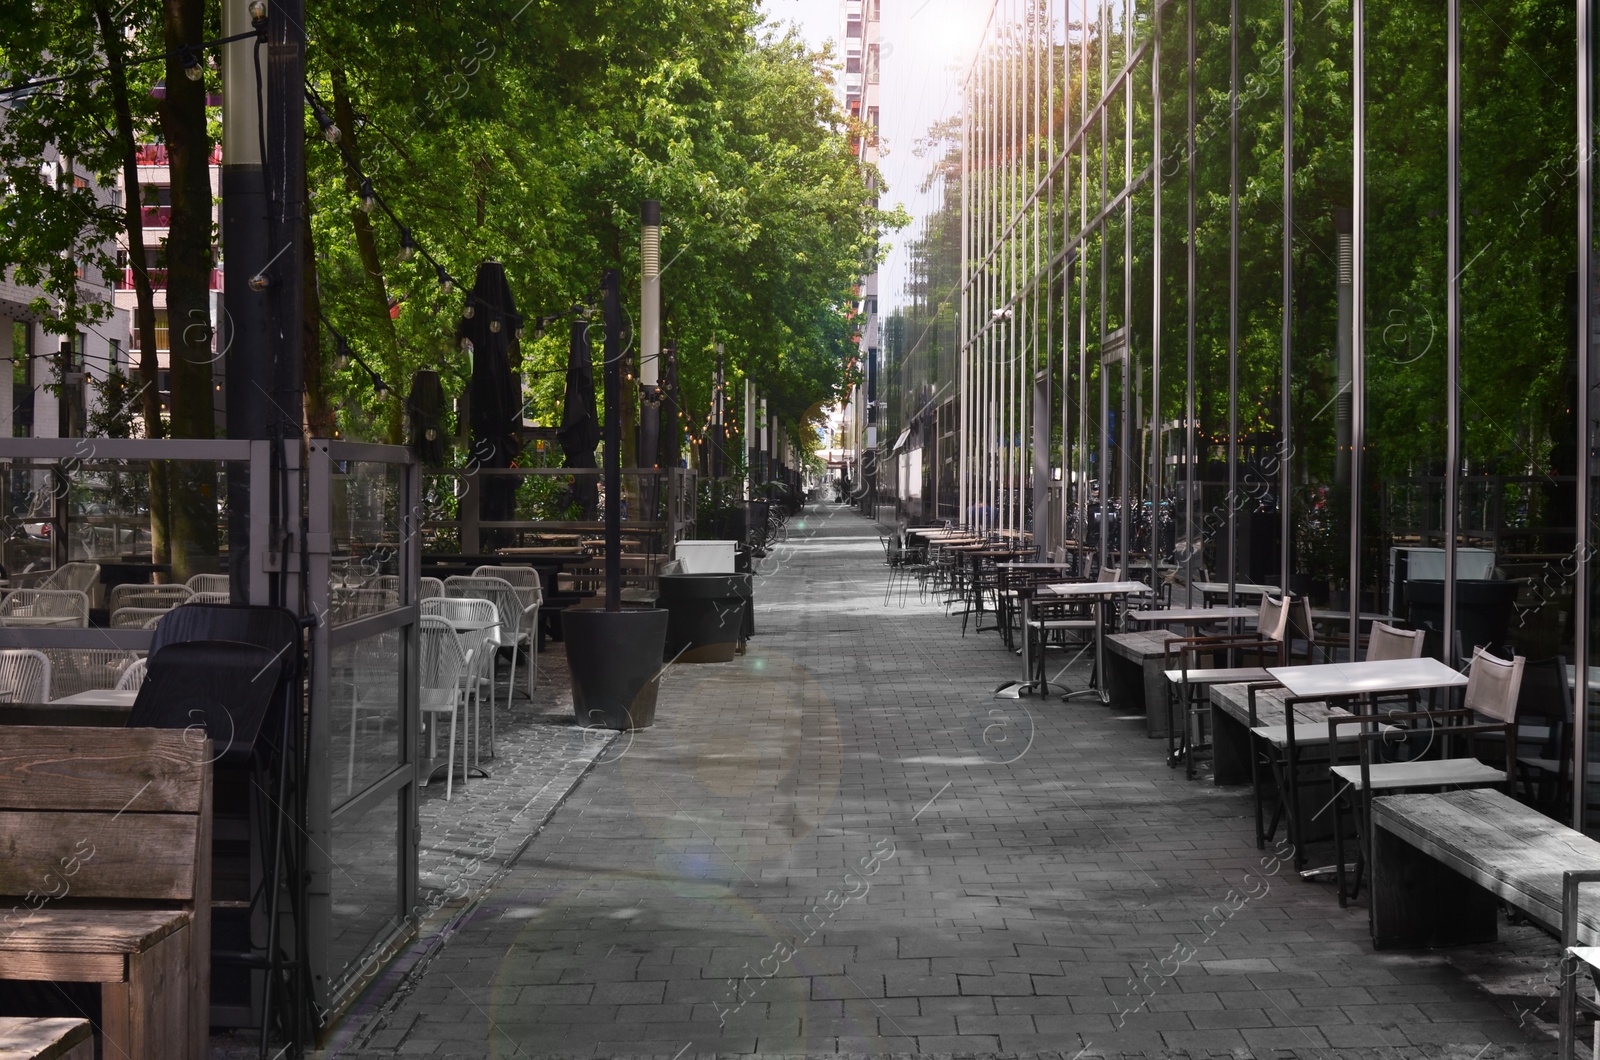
x=858 y=87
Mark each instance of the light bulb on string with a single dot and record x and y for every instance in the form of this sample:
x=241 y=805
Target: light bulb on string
x=408 y=246
x=369 y=198
x=444 y=279
x=191 y=64
x=494 y=326
x=469 y=311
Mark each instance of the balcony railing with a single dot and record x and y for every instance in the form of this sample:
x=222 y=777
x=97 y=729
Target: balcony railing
x=156 y=154
x=158 y=279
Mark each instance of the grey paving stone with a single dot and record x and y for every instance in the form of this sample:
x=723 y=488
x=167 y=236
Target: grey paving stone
x=815 y=852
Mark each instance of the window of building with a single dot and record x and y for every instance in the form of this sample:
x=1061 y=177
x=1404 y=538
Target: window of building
x=872 y=64
x=852 y=63
x=114 y=354
x=21 y=380
x=852 y=27
x=872 y=118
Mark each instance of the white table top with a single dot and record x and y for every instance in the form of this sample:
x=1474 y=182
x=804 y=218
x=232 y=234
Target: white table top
x=1190 y=615
x=1096 y=588
x=1248 y=588
x=1348 y=679
x=23 y=621
x=99 y=697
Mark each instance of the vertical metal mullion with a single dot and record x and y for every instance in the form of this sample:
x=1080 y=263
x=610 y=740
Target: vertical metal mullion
x=1358 y=299
x=1452 y=368
x=1285 y=526
x=1233 y=297
x=1155 y=298
x=1189 y=296
x=1129 y=494
x=1083 y=290
x=1101 y=440
x=964 y=324
x=1582 y=589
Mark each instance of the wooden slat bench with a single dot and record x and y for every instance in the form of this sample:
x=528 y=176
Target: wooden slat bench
x=1440 y=861
x=1134 y=676
x=105 y=865
x=45 y=1039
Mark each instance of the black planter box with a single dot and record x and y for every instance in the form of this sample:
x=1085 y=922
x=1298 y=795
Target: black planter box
x=709 y=615
x=615 y=661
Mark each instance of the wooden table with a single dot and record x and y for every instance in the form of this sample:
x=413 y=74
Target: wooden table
x=1210 y=591
x=1100 y=593
x=1190 y=617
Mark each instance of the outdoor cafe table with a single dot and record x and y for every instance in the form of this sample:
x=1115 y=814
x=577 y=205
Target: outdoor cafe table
x=1100 y=593
x=1337 y=680
x=37 y=621
x=1028 y=684
x=1347 y=679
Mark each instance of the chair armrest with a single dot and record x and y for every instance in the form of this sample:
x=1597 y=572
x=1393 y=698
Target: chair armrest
x=1250 y=693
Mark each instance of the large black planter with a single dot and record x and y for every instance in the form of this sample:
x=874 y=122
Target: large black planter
x=708 y=615
x=615 y=661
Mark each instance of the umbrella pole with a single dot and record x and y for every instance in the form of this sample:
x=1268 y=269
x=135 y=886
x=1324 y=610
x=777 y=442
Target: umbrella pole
x=612 y=307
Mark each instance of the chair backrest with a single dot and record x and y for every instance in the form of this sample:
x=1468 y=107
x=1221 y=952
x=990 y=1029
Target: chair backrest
x=449 y=608
x=133 y=595
x=443 y=661
x=428 y=588
x=1273 y=621
x=501 y=592
x=25 y=673
x=523 y=578
x=347 y=605
x=1110 y=574
x=133 y=676
x=138 y=617
x=1493 y=685
x=1300 y=624
x=79 y=576
x=1387 y=642
x=74 y=670
x=208 y=583
x=48 y=603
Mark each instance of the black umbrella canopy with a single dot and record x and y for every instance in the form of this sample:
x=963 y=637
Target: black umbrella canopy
x=490 y=321
x=580 y=420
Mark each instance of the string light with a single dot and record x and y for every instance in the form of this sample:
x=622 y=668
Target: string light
x=408 y=246
x=368 y=200
x=191 y=63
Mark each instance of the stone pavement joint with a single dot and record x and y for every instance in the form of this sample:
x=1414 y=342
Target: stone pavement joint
x=824 y=848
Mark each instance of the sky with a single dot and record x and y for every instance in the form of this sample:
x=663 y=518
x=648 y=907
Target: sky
x=926 y=47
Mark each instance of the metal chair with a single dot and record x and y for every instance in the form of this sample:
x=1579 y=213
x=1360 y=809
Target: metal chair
x=477 y=623
x=443 y=673
x=151 y=596
x=25 y=675
x=74 y=670
x=209 y=583
x=133 y=676
x=514 y=629
x=69 y=606
x=1490 y=706
x=138 y=617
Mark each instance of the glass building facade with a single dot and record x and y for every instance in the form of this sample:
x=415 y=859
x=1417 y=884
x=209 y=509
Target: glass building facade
x=1298 y=294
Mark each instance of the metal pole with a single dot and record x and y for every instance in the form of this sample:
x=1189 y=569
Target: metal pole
x=1190 y=283
x=1155 y=304
x=1452 y=363
x=1285 y=526
x=244 y=339
x=1581 y=585
x=650 y=342
x=611 y=301
x=1128 y=495
x=1233 y=298
x=1358 y=304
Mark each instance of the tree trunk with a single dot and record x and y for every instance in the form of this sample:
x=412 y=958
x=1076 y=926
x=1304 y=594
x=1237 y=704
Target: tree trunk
x=319 y=417
x=144 y=315
x=388 y=358
x=189 y=262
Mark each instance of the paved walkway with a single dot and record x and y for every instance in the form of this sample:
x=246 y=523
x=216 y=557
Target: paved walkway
x=842 y=843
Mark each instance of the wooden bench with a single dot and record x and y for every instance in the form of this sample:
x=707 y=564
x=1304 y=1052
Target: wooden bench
x=1440 y=861
x=1134 y=676
x=45 y=1039
x=107 y=877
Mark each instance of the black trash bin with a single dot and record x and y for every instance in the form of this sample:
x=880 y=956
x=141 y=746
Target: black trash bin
x=1483 y=610
x=707 y=615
